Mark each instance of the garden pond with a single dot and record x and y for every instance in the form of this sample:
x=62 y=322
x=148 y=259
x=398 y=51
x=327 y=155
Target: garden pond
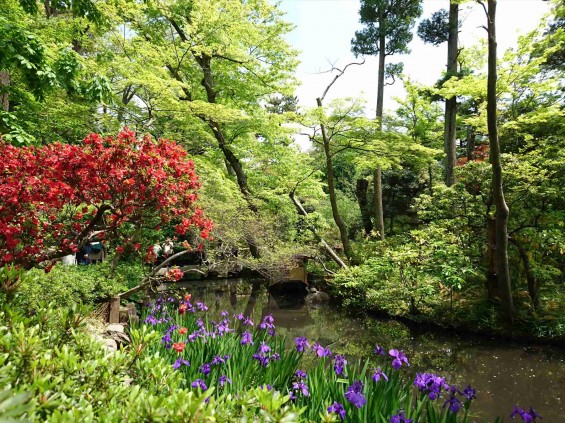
x=504 y=373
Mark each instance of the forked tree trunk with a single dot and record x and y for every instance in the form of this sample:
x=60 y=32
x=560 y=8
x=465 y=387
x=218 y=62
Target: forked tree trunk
x=333 y=198
x=502 y=211
x=450 y=130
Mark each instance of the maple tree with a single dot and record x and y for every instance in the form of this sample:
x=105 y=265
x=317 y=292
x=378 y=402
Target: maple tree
x=58 y=197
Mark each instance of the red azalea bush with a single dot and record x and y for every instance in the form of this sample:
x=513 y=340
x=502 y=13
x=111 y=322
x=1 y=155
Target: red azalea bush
x=56 y=198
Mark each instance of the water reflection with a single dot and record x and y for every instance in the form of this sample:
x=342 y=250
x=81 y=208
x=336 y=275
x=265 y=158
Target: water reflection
x=503 y=374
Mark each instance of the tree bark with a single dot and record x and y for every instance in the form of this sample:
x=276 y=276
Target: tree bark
x=502 y=211
x=331 y=188
x=377 y=174
x=326 y=246
x=378 y=199
x=450 y=130
x=530 y=277
x=471 y=143
x=361 y=194
x=4 y=96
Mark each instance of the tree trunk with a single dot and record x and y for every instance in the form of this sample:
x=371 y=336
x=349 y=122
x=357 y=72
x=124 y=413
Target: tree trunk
x=377 y=174
x=492 y=269
x=431 y=179
x=361 y=194
x=4 y=96
x=378 y=199
x=450 y=132
x=235 y=166
x=530 y=277
x=471 y=143
x=502 y=210
x=331 y=188
x=329 y=250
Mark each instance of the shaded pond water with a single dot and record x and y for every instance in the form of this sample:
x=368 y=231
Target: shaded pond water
x=503 y=373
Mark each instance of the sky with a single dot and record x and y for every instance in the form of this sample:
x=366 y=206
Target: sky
x=324 y=28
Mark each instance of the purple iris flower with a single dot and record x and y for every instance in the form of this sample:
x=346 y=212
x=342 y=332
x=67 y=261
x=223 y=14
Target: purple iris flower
x=220 y=360
x=151 y=320
x=337 y=408
x=264 y=360
x=527 y=416
x=205 y=368
x=199 y=383
x=399 y=358
x=201 y=306
x=224 y=313
x=454 y=404
x=248 y=322
x=400 y=417
x=301 y=374
x=431 y=384
x=180 y=361
x=268 y=324
x=378 y=374
x=301 y=344
x=239 y=316
x=379 y=350
x=470 y=393
x=223 y=379
x=355 y=395
x=246 y=338
x=200 y=323
x=264 y=348
x=339 y=364
x=301 y=387
x=267 y=387
x=321 y=351
x=167 y=341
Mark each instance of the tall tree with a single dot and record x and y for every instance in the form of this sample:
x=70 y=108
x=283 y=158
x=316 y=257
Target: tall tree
x=502 y=211
x=387 y=31
x=221 y=58
x=441 y=27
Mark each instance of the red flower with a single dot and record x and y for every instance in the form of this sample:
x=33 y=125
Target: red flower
x=179 y=346
x=119 y=249
x=182 y=308
x=183 y=331
x=174 y=274
x=187 y=297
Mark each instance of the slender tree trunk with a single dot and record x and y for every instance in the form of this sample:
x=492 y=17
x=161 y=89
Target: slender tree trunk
x=502 y=210
x=4 y=96
x=378 y=172
x=321 y=240
x=450 y=132
x=361 y=194
x=530 y=276
x=331 y=188
x=471 y=143
x=492 y=268
x=431 y=179
x=378 y=199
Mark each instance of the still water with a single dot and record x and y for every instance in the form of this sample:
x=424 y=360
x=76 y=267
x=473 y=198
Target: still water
x=503 y=373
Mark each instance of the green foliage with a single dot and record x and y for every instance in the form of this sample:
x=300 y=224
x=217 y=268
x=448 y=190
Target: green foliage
x=65 y=285
x=54 y=371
